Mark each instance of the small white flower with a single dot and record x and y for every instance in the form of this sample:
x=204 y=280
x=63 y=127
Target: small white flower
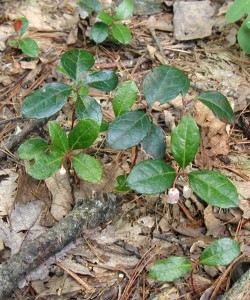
x=187 y=192
x=173 y=196
x=62 y=170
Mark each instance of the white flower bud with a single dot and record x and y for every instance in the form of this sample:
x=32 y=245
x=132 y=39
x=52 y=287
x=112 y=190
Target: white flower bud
x=173 y=195
x=62 y=170
x=187 y=192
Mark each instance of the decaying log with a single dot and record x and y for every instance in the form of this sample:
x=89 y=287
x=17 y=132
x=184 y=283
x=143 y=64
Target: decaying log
x=85 y=215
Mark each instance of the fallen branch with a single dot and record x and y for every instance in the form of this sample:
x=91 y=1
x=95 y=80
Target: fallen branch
x=86 y=215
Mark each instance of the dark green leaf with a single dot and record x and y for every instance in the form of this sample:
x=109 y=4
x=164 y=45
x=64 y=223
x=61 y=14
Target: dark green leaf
x=46 y=101
x=105 y=18
x=165 y=83
x=237 y=10
x=154 y=143
x=185 y=141
x=99 y=32
x=104 y=125
x=125 y=97
x=122 y=184
x=90 y=6
x=170 y=269
x=58 y=136
x=84 y=134
x=45 y=166
x=87 y=107
x=32 y=148
x=121 y=33
x=87 y=167
x=220 y=253
x=218 y=104
x=128 y=130
x=29 y=47
x=151 y=177
x=214 y=188
x=124 y=10
x=105 y=80
x=244 y=36
x=76 y=63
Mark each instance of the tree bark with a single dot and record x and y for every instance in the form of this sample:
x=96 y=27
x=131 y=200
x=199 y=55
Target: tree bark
x=86 y=215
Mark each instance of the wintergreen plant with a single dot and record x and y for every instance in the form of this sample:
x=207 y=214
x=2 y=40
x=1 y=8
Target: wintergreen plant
x=27 y=45
x=109 y=25
x=220 y=253
x=236 y=11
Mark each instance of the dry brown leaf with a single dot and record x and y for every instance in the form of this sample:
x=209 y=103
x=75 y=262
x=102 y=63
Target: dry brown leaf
x=214 y=226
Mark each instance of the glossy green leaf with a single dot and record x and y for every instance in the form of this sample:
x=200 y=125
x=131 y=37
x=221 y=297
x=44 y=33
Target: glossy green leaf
x=151 y=177
x=121 y=33
x=154 y=143
x=122 y=184
x=45 y=166
x=214 y=188
x=244 y=36
x=76 y=63
x=87 y=107
x=170 y=269
x=106 y=18
x=46 y=101
x=25 y=25
x=29 y=47
x=32 y=148
x=128 y=130
x=87 y=167
x=104 y=125
x=105 y=80
x=125 y=97
x=124 y=9
x=14 y=43
x=237 y=10
x=99 y=32
x=58 y=136
x=90 y=6
x=220 y=253
x=218 y=104
x=83 y=134
x=164 y=84
x=185 y=141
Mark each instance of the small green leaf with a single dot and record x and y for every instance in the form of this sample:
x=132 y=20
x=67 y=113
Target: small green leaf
x=122 y=184
x=214 y=188
x=76 y=63
x=46 y=101
x=125 y=97
x=105 y=80
x=90 y=6
x=121 y=33
x=106 y=18
x=45 y=166
x=87 y=107
x=128 y=130
x=87 y=167
x=32 y=148
x=237 y=10
x=170 y=269
x=83 y=134
x=164 y=84
x=104 y=125
x=58 y=136
x=151 y=177
x=154 y=143
x=185 y=141
x=29 y=47
x=124 y=9
x=99 y=32
x=220 y=253
x=244 y=36
x=14 y=43
x=218 y=104
x=25 y=25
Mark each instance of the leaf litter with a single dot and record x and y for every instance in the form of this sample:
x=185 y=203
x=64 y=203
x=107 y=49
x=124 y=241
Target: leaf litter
x=110 y=257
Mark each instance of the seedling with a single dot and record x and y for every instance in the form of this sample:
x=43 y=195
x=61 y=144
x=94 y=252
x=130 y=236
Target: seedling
x=235 y=12
x=109 y=26
x=220 y=253
x=27 y=45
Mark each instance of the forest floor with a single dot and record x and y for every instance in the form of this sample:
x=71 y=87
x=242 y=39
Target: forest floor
x=114 y=259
